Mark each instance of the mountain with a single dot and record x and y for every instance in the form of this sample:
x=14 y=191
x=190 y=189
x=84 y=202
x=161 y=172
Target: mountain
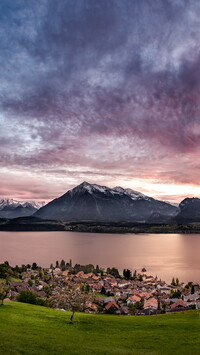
x=10 y=208
x=96 y=203
x=188 y=211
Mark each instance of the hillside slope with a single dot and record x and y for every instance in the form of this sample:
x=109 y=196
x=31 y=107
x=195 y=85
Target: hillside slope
x=35 y=330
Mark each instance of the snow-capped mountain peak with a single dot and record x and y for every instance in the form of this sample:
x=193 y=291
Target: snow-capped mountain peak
x=89 y=188
x=92 y=202
x=10 y=208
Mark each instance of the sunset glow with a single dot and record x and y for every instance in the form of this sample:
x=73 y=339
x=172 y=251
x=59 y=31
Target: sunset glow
x=102 y=92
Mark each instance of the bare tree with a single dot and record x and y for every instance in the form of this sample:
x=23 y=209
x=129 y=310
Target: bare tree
x=72 y=299
x=3 y=291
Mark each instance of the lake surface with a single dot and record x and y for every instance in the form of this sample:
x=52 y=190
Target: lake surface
x=164 y=255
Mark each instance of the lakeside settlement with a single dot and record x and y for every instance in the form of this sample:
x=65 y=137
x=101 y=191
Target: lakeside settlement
x=104 y=291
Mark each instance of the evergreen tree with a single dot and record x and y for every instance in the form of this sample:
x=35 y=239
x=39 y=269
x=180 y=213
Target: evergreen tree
x=192 y=290
x=134 y=275
x=63 y=265
x=34 y=266
x=127 y=274
x=173 y=283
x=103 y=290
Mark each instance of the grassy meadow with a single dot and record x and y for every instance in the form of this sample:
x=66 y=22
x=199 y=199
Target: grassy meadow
x=27 y=329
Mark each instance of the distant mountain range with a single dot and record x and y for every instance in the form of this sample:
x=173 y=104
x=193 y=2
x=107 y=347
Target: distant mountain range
x=10 y=208
x=94 y=203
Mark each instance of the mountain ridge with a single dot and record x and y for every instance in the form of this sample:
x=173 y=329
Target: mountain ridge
x=92 y=202
x=10 y=208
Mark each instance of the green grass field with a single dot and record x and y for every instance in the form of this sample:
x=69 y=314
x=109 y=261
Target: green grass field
x=27 y=329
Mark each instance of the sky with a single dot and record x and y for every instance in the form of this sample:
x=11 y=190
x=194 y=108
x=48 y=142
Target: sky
x=106 y=91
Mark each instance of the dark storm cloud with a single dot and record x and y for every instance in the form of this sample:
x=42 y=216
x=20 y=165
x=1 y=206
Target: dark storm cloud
x=125 y=73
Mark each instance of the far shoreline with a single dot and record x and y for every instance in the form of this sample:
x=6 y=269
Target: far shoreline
x=28 y=224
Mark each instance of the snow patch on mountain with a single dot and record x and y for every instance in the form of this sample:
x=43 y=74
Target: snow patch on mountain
x=11 y=203
x=134 y=195
x=118 y=190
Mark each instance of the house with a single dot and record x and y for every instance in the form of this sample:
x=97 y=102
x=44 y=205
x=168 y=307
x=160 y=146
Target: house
x=57 y=271
x=179 y=304
x=145 y=295
x=150 y=306
x=111 y=307
x=65 y=272
x=79 y=274
x=192 y=297
x=95 y=278
x=151 y=303
x=91 y=307
x=133 y=299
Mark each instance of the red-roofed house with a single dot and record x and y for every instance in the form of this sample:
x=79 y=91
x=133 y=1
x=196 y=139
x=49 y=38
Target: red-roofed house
x=111 y=307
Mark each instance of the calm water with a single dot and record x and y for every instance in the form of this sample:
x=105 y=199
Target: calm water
x=165 y=255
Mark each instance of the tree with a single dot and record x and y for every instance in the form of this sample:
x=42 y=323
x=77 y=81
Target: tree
x=72 y=299
x=173 y=283
x=103 y=290
x=140 y=304
x=87 y=288
x=127 y=274
x=163 y=308
x=5 y=271
x=27 y=297
x=3 y=291
x=63 y=265
x=192 y=290
x=175 y=294
x=134 y=275
x=132 y=309
x=30 y=282
x=34 y=266
x=113 y=271
x=97 y=269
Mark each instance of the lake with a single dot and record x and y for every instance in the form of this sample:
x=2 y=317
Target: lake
x=164 y=255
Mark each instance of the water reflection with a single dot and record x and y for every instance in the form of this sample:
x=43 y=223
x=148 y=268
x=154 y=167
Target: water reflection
x=165 y=255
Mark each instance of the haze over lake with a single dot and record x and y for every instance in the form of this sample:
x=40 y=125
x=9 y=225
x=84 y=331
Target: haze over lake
x=164 y=255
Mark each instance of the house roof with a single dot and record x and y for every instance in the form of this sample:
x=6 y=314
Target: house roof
x=151 y=302
x=110 y=305
x=178 y=304
x=134 y=298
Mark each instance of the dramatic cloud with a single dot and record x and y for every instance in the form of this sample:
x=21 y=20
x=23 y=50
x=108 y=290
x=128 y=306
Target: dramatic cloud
x=106 y=91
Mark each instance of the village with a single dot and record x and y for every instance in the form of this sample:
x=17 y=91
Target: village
x=104 y=291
